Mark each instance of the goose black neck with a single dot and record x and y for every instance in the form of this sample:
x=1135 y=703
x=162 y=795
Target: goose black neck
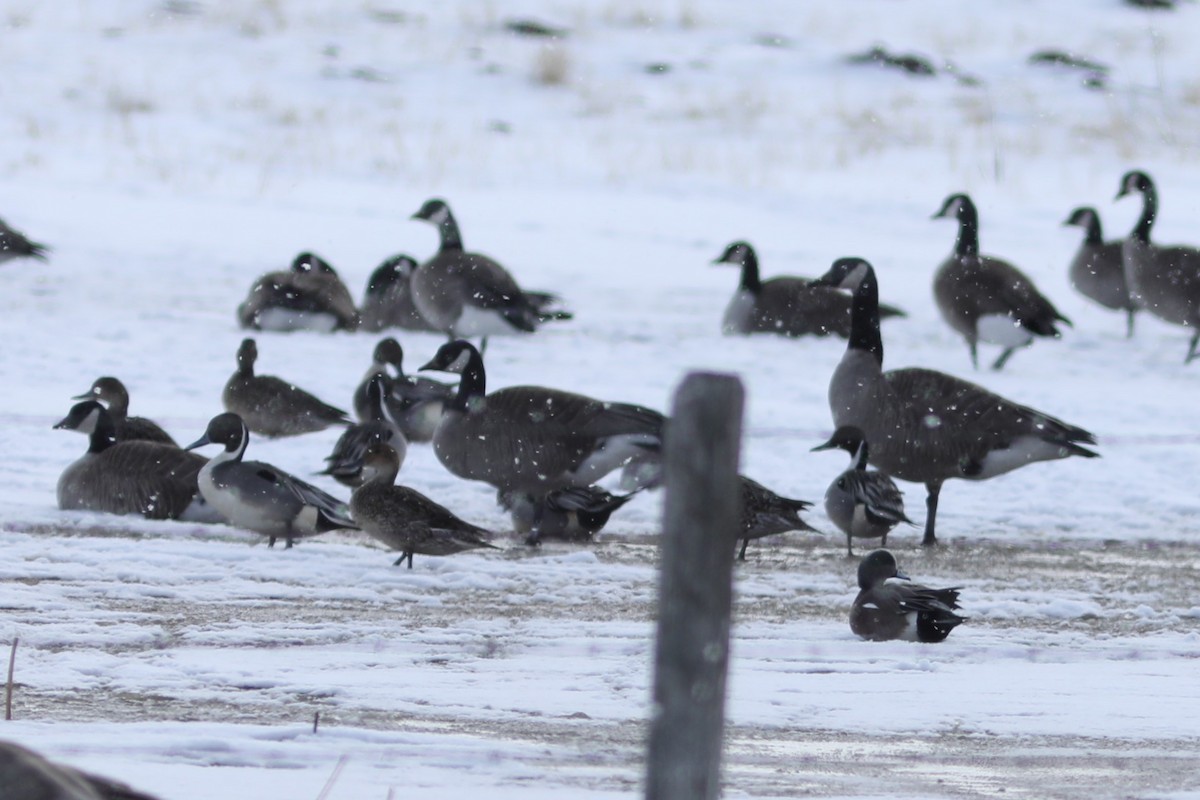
x=104 y=435
x=967 y=243
x=1092 y=233
x=750 y=279
x=864 y=317
x=448 y=231
x=472 y=383
x=1141 y=231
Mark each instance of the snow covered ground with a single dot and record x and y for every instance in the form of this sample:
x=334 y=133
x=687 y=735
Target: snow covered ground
x=172 y=152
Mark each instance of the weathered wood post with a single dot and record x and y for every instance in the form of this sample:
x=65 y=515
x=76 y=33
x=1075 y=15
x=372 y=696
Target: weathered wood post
x=701 y=516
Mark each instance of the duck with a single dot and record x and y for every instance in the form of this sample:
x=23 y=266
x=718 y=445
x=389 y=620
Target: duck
x=151 y=479
x=261 y=497
x=346 y=461
x=926 y=426
x=889 y=607
x=573 y=513
x=415 y=403
x=465 y=294
x=863 y=503
x=113 y=394
x=532 y=439
x=987 y=299
x=1097 y=271
x=14 y=244
x=403 y=518
x=308 y=296
x=388 y=301
x=765 y=513
x=1163 y=280
x=271 y=406
x=784 y=305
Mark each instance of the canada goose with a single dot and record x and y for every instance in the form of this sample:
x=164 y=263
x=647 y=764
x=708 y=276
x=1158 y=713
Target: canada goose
x=531 y=439
x=889 y=606
x=153 y=479
x=274 y=407
x=984 y=298
x=765 y=513
x=26 y=775
x=13 y=244
x=1097 y=272
x=260 y=497
x=346 y=461
x=403 y=518
x=785 y=305
x=1163 y=280
x=864 y=503
x=573 y=513
x=309 y=296
x=388 y=301
x=415 y=403
x=926 y=426
x=468 y=294
x=113 y=394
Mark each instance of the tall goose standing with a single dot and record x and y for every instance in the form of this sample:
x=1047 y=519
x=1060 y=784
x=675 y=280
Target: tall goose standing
x=1097 y=272
x=926 y=426
x=985 y=298
x=1163 y=280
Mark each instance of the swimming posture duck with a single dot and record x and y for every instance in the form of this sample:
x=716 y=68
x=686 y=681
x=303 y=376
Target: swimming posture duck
x=573 y=513
x=260 y=497
x=889 y=606
x=309 y=296
x=403 y=518
x=1163 y=280
x=765 y=513
x=927 y=426
x=346 y=462
x=785 y=305
x=388 y=301
x=985 y=298
x=113 y=394
x=155 y=480
x=1097 y=272
x=863 y=503
x=468 y=294
x=13 y=244
x=531 y=439
x=415 y=403
x=274 y=407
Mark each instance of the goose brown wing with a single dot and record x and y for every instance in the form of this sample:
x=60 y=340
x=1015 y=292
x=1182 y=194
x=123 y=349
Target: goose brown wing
x=1003 y=287
x=148 y=478
x=562 y=414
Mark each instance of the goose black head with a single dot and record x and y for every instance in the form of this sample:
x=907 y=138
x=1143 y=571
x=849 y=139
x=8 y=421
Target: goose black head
x=106 y=389
x=83 y=417
x=1134 y=181
x=389 y=351
x=1083 y=216
x=453 y=357
x=396 y=270
x=956 y=206
x=247 y=354
x=310 y=262
x=847 y=437
x=876 y=567
x=846 y=273
x=435 y=210
x=736 y=253
x=225 y=429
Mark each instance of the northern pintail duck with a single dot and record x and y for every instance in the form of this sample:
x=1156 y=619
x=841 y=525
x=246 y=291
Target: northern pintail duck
x=403 y=518
x=415 y=403
x=573 y=513
x=926 y=426
x=274 y=407
x=13 y=244
x=987 y=299
x=784 y=305
x=113 y=394
x=765 y=513
x=1163 y=280
x=863 y=503
x=1097 y=272
x=261 y=497
x=309 y=296
x=889 y=606
x=347 y=459
x=388 y=301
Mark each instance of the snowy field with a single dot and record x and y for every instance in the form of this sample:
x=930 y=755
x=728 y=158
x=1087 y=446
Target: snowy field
x=171 y=152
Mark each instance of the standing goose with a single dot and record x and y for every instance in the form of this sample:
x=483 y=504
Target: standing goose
x=415 y=403
x=13 y=244
x=987 y=299
x=573 y=513
x=530 y=439
x=274 y=407
x=309 y=296
x=926 y=426
x=388 y=301
x=403 y=518
x=765 y=513
x=785 y=305
x=347 y=459
x=260 y=497
x=1097 y=272
x=1163 y=280
x=113 y=394
x=889 y=606
x=468 y=294
x=865 y=504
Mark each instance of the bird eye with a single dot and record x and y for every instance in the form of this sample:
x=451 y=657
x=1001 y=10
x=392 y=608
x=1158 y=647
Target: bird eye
x=841 y=484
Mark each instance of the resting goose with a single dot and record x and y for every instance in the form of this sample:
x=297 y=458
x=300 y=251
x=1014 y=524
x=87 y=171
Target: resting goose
x=309 y=296
x=574 y=513
x=274 y=407
x=863 y=503
x=388 y=301
x=346 y=461
x=765 y=513
x=926 y=426
x=1163 y=280
x=889 y=606
x=260 y=497
x=1097 y=272
x=113 y=394
x=785 y=305
x=13 y=244
x=415 y=403
x=987 y=299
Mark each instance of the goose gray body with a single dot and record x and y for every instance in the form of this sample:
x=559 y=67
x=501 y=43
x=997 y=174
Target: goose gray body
x=985 y=298
x=403 y=518
x=863 y=503
x=347 y=460
x=113 y=394
x=1163 y=280
x=415 y=403
x=765 y=513
x=926 y=426
x=274 y=407
x=26 y=775
x=14 y=244
x=261 y=497
x=388 y=301
x=889 y=606
x=309 y=296
x=1098 y=271
x=574 y=513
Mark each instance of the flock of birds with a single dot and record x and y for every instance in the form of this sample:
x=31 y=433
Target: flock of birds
x=544 y=450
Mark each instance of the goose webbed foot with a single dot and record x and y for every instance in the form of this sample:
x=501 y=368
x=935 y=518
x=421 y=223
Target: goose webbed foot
x=742 y=554
x=931 y=504
x=849 y=546
x=1003 y=359
x=271 y=541
x=534 y=539
x=1129 y=323
x=974 y=354
x=1191 y=353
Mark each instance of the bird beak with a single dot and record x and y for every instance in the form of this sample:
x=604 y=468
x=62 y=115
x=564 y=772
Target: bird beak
x=902 y=576
x=203 y=440
x=427 y=367
x=88 y=395
x=827 y=446
x=60 y=425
